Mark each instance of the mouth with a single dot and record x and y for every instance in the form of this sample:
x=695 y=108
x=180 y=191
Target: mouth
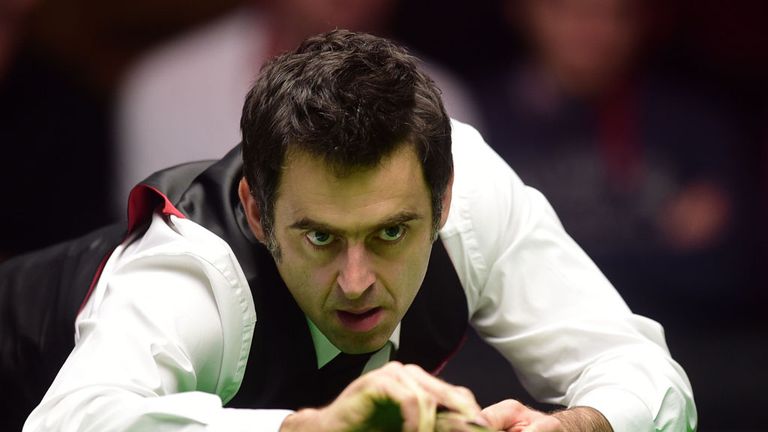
x=360 y=320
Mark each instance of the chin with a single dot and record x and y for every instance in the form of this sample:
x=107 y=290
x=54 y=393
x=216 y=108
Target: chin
x=362 y=345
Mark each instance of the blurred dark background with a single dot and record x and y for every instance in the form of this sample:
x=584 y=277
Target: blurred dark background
x=645 y=122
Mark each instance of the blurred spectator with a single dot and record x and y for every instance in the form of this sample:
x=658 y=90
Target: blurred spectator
x=55 y=144
x=183 y=102
x=637 y=167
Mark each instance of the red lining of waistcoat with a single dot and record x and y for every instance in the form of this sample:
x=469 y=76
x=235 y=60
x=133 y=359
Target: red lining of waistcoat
x=142 y=202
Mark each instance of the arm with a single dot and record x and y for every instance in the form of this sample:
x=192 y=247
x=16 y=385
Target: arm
x=583 y=419
x=537 y=298
x=160 y=344
x=152 y=350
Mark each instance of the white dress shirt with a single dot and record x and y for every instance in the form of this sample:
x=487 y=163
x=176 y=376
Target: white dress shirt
x=164 y=339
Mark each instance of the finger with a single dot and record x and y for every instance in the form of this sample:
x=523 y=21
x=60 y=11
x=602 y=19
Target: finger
x=407 y=400
x=455 y=398
x=427 y=403
x=507 y=414
x=417 y=407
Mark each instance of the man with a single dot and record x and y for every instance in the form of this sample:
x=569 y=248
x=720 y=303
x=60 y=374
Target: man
x=376 y=248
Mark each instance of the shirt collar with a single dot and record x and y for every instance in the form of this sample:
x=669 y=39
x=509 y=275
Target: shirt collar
x=325 y=351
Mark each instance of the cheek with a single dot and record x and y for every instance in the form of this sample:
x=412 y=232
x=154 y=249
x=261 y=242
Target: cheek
x=404 y=276
x=308 y=278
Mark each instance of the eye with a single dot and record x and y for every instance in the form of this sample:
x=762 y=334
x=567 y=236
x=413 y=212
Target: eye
x=392 y=233
x=319 y=238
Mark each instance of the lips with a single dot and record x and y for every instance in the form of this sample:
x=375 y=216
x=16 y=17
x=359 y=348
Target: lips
x=360 y=320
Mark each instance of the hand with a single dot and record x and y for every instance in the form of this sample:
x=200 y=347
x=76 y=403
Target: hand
x=512 y=416
x=416 y=392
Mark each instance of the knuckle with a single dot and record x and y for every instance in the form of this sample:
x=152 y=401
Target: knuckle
x=431 y=403
x=411 y=399
x=465 y=391
x=389 y=369
x=412 y=368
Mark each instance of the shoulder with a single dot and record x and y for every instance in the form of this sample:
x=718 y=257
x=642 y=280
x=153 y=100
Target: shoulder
x=169 y=239
x=177 y=275
x=487 y=193
x=491 y=210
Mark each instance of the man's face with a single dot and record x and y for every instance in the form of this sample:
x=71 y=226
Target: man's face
x=353 y=249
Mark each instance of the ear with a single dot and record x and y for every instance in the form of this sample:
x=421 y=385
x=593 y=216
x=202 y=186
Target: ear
x=446 y=202
x=252 y=212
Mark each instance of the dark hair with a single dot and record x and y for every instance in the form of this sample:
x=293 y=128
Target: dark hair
x=350 y=99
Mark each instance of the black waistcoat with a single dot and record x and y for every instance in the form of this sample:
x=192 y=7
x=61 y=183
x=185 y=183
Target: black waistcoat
x=281 y=370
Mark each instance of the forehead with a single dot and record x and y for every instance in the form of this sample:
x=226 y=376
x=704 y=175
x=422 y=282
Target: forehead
x=310 y=188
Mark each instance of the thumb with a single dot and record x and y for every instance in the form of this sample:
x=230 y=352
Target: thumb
x=506 y=414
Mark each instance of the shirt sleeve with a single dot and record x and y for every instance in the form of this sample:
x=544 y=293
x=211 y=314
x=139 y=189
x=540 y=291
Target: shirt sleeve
x=537 y=298
x=156 y=346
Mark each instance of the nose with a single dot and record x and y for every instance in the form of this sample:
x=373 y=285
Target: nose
x=356 y=275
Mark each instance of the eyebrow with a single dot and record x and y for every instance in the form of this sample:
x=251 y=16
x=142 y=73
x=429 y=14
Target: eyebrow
x=397 y=219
